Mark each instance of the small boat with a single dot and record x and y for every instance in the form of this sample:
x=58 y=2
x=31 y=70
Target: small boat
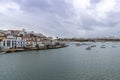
x=93 y=45
x=78 y=44
x=103 y=46
x=114 y=46
x=88 y=48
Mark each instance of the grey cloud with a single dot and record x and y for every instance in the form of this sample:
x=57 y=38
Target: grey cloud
x=89 y=23
x=48 y=6
x=95 y=1
x=58 y=18
x=114 y=18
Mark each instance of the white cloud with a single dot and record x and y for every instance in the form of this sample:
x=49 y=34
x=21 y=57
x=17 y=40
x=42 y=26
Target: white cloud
x=104 y=7
x=81 y=4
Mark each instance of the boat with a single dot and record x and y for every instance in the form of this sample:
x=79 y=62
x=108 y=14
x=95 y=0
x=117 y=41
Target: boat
x=88 y=48
x=93 y=45
x=114 y=46
x=103 y=46
x=78 y=44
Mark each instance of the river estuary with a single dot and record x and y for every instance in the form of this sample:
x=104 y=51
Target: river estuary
x=70 y=63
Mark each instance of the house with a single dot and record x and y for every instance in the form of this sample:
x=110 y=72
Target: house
x=2 y=36
x=13 y=42
x=8 y=43
x=30 y=41
x=22 y=32
x=14 y=32
x=20 y=43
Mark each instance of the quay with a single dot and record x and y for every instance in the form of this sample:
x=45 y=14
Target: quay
x=31 y=49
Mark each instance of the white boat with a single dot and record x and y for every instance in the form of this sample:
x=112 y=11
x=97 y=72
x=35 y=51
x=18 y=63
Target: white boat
x=103 y=46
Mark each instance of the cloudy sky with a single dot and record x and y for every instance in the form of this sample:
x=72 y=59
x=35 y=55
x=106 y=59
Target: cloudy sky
x=63 y=18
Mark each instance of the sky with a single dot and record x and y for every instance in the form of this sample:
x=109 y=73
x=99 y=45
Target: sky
x=62 y=18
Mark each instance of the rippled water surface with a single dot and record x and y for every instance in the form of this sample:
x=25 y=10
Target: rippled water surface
x=71 y=63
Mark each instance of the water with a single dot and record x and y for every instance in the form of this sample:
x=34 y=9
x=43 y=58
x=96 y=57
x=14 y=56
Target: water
x=71 y=63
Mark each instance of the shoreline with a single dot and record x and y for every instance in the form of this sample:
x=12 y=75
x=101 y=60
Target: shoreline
x=91 y=40
x=30 y=49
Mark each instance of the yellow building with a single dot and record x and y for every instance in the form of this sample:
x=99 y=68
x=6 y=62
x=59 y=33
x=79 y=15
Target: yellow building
x=2 y=36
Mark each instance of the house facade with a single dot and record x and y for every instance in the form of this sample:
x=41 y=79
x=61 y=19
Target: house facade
x=22 y=39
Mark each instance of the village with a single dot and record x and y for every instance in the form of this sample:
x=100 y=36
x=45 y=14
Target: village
x=21 y=40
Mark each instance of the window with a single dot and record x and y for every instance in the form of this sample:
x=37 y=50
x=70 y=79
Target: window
x=3 y=43
x=8 y=43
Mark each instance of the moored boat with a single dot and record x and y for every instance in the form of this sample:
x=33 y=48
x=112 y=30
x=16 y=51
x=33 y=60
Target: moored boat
x=88 y=48
x=93 y=45
x=103 y=46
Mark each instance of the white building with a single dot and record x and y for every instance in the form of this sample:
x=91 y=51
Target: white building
x=8 y=43
x=12 y=43
x=20 y=44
